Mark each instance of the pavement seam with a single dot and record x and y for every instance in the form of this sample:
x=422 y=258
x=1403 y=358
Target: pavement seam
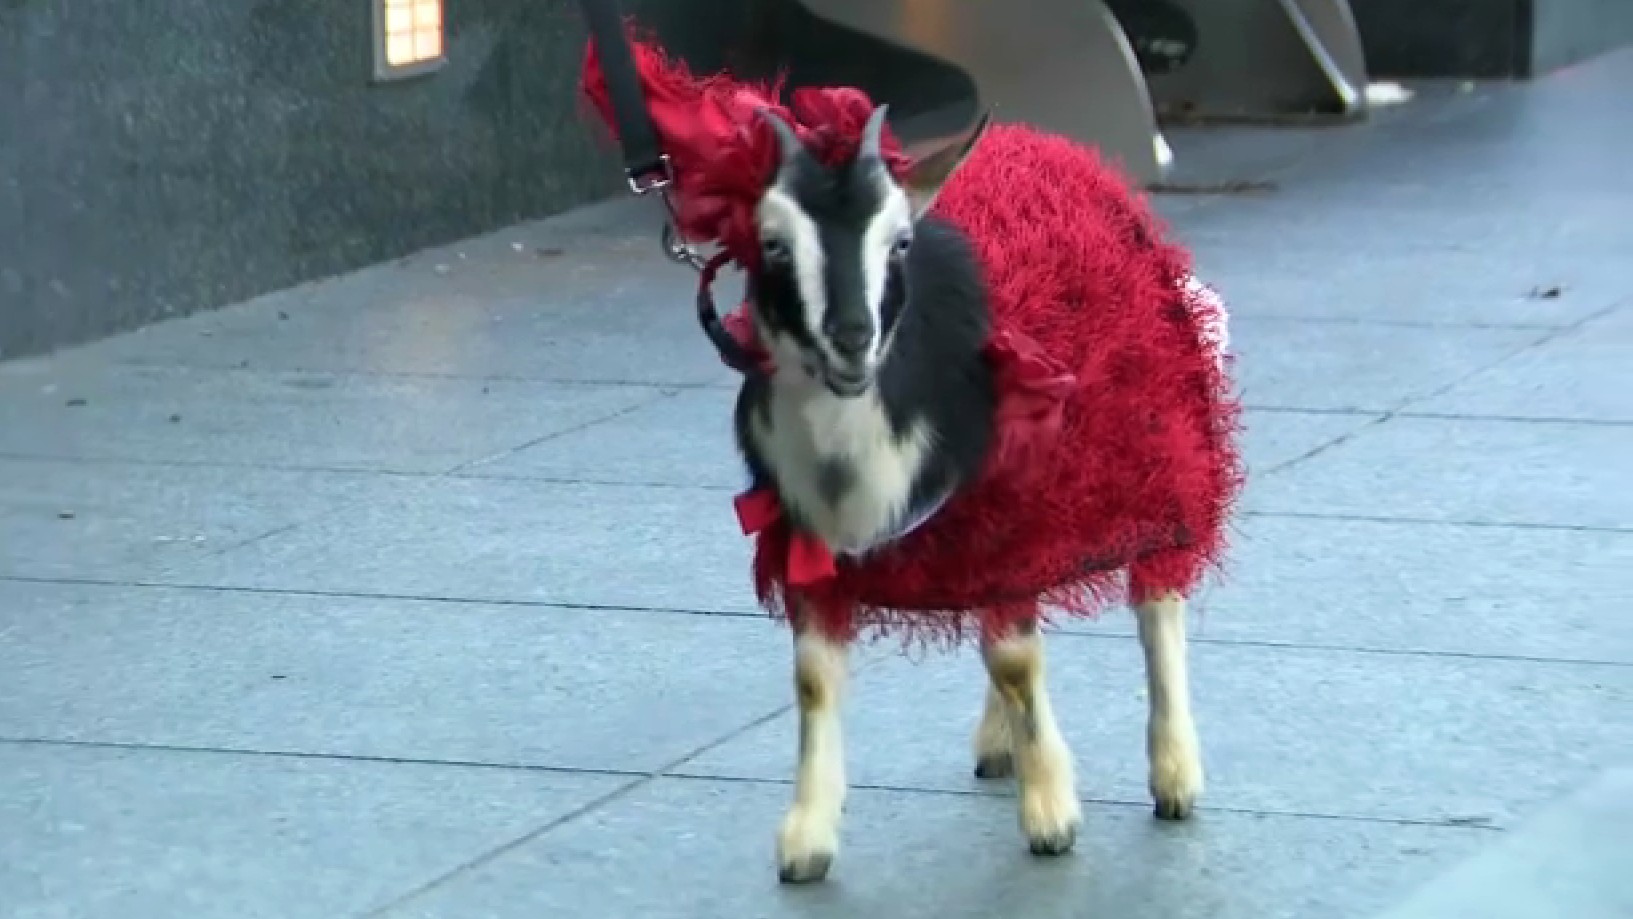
x=748 y=615
x=149 y=364
x=663 y=396
x=344 y=373
x=345 y=506
x=641 y=778
x=1454 y=822
x=1396 y=410
x=510 y=846
x=361 y=472
x=174 y=463
x=369 y=758
x=1431 y=521
x=367 y=471
x=1520 y=419
x=1425 y=324
x=1353 y=649
x=597 y=483
x=1442 y=416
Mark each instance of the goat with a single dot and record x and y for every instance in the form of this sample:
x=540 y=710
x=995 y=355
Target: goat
x=880 y=404
x=988 y=385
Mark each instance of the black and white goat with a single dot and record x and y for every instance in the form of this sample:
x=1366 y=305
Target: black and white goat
x=880 y=406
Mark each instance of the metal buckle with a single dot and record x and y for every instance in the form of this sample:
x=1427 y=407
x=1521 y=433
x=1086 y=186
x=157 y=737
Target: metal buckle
x=678 y=249
x=655 y=180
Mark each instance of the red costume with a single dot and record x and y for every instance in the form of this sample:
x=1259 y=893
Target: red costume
x=1115 y=442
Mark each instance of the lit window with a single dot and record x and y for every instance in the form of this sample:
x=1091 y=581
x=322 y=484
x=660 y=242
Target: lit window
x=407 y=37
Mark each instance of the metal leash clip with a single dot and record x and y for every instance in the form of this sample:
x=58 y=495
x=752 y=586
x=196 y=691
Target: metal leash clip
x=679 y=250
x=675 y=247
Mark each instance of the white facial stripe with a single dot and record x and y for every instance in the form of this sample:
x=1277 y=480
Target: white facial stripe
x=779 y=213
x=893 y=217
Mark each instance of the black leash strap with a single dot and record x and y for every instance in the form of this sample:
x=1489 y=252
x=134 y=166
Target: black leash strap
x=645 y=165
x=647 y=168
x=735 y=354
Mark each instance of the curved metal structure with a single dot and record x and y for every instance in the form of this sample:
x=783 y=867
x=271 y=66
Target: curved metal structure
x=1267 y=58
x=1061 y=65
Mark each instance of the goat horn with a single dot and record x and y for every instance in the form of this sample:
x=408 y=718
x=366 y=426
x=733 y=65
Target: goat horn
x=873 y=133
x=788 y=142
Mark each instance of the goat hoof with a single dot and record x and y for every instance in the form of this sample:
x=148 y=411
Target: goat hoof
x=1176 y=780
x=995 y=765
x=1050 y=821
x=1057 y=843
x=806 y=847
x=1174 y=810
x=805 y=869
x=1176 y=800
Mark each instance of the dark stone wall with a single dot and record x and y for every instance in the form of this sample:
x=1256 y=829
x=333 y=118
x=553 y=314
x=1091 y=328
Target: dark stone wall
x=1564 y=32
x=163 y=156
x=167 y=155
x=1487 y=38
x=1444 y=38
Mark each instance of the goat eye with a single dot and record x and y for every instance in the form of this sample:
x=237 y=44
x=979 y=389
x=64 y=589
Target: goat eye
x=774 y=250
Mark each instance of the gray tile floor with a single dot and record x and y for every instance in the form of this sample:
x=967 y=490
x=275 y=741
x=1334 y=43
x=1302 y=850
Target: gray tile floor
x=416 y=592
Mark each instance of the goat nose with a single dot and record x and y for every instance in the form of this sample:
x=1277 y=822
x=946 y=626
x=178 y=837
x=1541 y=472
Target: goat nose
x=852 y=339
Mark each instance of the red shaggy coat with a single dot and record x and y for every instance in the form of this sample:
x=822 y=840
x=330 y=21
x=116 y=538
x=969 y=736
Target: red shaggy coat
x=1115 y=448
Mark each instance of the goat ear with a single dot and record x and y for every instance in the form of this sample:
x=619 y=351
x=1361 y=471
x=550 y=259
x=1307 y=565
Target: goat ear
x=931 y=171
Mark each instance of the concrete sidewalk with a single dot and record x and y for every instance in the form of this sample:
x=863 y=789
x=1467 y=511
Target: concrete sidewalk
x=417 y=592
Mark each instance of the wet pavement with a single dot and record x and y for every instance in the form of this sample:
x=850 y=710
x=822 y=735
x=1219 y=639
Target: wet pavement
x=417 y=592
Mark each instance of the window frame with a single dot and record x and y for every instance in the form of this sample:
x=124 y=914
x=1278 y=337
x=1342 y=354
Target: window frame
x=384 y=70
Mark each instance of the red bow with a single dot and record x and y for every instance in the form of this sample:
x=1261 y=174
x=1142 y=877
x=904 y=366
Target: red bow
x=1031 y=384
x=809 y=561
x=1032 y=392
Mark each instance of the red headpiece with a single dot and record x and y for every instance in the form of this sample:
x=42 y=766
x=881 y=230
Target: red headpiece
x=723 y=152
